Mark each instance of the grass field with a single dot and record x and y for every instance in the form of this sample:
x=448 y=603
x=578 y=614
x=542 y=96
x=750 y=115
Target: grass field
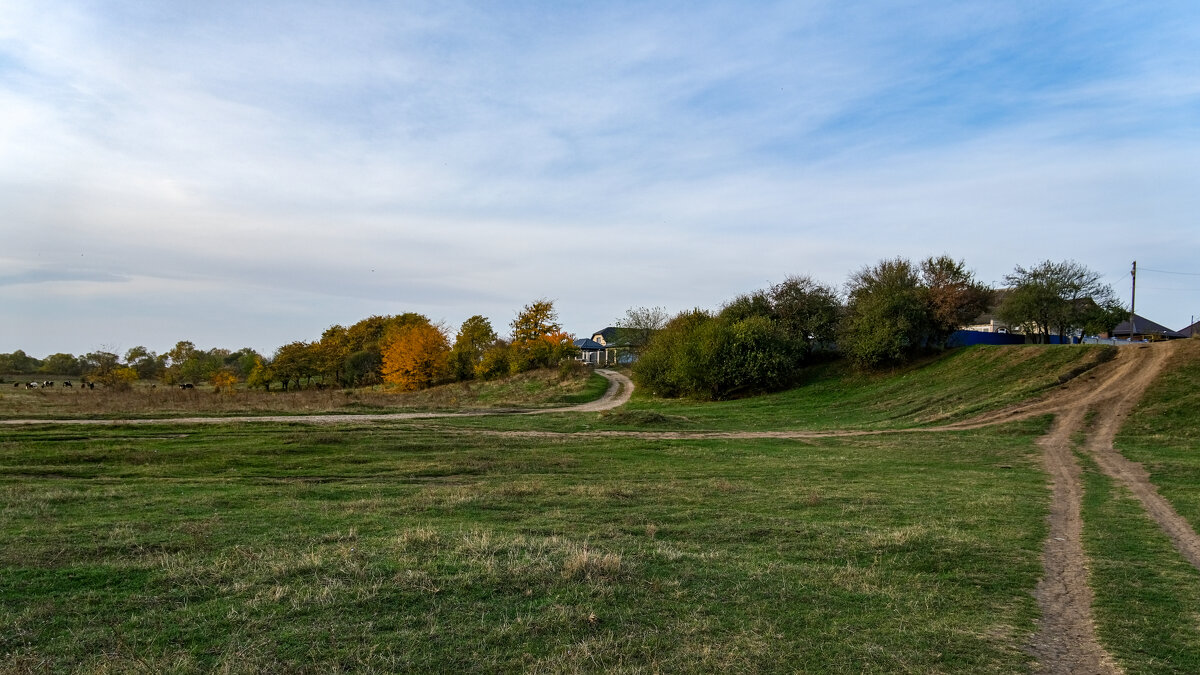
x=536 y=389
x=288 y=548
x=1163 y=435
x=479 y=545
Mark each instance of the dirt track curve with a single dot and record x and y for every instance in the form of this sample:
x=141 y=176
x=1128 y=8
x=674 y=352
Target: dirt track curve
x=1065 y=641
x=620 y=388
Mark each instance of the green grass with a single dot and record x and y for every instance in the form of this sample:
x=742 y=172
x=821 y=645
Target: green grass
x=1163 y=433
x=395 y=548
x=942 y=389
x=1147 y=596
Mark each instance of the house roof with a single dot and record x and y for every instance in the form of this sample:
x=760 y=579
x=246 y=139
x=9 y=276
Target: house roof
x=1189 y=331
x=613 y=336
x=1144 y=326
x=587 y=343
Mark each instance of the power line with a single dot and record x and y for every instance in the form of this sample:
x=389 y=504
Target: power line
x=1187 y=274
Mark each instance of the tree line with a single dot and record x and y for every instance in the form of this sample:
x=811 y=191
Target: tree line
x=885 y=315
x=406 y=350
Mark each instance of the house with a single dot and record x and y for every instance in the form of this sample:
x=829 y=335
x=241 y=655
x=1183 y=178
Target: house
x=1190 y=331
x=590 y=351
x=609 y=346
x=1144 y=329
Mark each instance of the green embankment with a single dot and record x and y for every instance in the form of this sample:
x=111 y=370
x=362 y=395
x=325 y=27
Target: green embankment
x=1163 y=432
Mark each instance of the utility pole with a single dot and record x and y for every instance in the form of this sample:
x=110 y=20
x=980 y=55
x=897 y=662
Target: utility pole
x=1133 y=303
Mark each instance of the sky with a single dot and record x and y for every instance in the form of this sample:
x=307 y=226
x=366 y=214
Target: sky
x=248 y=174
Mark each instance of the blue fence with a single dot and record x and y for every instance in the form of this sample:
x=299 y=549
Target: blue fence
x=968 y=338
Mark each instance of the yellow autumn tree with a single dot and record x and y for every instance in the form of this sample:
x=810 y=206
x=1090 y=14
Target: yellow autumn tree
x=415 y=356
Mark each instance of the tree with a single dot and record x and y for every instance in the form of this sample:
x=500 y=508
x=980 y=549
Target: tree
x=61 y=364
x=260 y=375
x=806 y=310
x=416 y=356
x=18 y=363
x=953 y=297
x=538 y=340
x=334 y=349
x=224 y=380
x=103 y=367
x=1063 y=297
x=886 y=314
x=640 y=324
x=144 y=361
x=474 y=337
x=293 y=362
x=494 y=362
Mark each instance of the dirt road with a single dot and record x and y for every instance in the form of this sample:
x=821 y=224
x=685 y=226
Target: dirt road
x=620 y=388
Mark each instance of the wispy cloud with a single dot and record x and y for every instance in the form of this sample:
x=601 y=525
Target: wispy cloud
x=325 y=162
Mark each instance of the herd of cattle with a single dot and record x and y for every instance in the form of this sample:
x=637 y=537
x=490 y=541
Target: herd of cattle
x=48 y=384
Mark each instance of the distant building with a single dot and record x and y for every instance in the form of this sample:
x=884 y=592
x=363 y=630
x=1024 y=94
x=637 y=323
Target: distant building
x=1144 y=329
x=610 y=346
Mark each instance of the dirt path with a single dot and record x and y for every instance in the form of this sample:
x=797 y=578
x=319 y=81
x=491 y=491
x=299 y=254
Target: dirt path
x=620 y=388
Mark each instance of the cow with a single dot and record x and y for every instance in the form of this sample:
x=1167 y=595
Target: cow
x=187 y=385
x=31 y=385
x=67 y=383
x=48 y=383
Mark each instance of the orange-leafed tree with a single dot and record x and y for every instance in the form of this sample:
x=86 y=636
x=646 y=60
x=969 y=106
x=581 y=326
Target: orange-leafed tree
x=538 y=340
x=416 y=356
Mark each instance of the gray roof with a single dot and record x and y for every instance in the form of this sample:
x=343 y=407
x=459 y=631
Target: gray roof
x=1144 y=326
x=588 y=343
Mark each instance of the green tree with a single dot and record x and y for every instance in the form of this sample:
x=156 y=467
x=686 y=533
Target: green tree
x=474 y=338
x=1058 y=297
x=807 y=311
x=61 y=364
x=887 y=316
x=144 y=361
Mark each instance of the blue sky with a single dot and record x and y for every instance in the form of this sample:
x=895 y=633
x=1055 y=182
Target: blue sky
x=248 y=174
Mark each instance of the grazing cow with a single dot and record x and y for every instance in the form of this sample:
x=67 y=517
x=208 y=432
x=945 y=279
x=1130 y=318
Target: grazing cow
x=91 y=385
x=16 y=384
x=31 y=385
x=67 y=383
x=187 y=385
x=48 y=383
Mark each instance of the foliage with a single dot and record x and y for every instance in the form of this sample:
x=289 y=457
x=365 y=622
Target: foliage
x=416 y=356
x=224 y=380
x=18 y=363
x=1059 y=297
x=538 y=340
x=494 y=362
x=145 y=362
x=758 y=342
x=293 y=362
x=895 y=309
x=640 y=324
x=104 y=368
x=953 y=296
x=474 y=337
x=260 y=375
x=61 y=364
